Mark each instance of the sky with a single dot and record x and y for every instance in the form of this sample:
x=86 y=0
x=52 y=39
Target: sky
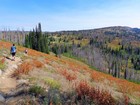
x=59 y=15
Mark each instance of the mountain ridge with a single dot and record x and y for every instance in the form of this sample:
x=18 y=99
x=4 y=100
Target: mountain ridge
x=108 y=27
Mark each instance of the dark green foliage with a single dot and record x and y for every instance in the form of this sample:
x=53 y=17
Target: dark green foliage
x=55 y=49
x=37 y=90
x=136 y=63
x=36 y=40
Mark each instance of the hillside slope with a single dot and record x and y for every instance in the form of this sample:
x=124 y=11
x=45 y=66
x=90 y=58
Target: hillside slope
x=40 y=78
x=113 y=50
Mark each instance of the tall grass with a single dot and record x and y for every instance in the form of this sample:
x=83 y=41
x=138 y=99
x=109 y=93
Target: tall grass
x=2 y=64
x=52 y=83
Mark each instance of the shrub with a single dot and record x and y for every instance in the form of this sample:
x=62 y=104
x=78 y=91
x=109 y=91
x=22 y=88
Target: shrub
x=90 y=94
x=24 y=68
x=52 y=83
x=37 y=64
x=2 y=64
x=69 y=76
x=54 y=97
x=37 y=90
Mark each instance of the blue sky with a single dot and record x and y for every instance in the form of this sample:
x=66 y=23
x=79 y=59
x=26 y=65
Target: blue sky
x=56 y=15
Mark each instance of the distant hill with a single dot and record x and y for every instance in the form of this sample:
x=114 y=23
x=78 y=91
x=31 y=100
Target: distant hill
x=114 y=30
x=114 y=50
x=19 y=36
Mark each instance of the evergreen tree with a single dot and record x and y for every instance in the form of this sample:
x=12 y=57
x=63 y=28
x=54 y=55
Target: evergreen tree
x=27 y=43
x=36 y=40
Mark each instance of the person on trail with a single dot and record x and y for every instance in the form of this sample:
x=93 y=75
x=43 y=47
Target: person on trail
x=13 y=51
x=26 y=51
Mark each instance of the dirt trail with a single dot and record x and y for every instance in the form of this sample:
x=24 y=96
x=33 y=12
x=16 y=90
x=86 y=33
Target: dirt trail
x=7 y=83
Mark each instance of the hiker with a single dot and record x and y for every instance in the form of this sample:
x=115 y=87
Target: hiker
x=26 y=51
x=13 y=51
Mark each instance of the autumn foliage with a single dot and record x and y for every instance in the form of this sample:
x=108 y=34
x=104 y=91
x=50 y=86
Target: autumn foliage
x=24 y=68
x=2 y=60
x=69 y=76
x=69 y=69
x=5 y=44
x=86 y=92
x=37 y=64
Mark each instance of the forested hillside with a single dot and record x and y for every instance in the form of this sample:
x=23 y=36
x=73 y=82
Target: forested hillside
x=113 y=50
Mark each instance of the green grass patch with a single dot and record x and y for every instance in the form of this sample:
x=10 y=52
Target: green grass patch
x=134 y=81
x=37 y=90
x=94 y=68
x=2 y=66
x=136 y=100
x=137 y=71
x=69 y=55
x=52 y=83
x=49 y=70
x=32 y=79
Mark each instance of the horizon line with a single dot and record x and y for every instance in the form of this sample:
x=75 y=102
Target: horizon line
x=22 y=29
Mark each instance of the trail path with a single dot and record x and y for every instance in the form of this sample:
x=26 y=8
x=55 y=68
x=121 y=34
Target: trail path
x=7 y=83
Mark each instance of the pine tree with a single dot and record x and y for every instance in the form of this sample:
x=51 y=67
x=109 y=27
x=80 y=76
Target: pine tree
x=46 y=43
x=36 y=40
x=27 y=44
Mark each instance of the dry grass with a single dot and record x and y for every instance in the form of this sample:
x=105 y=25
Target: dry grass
x=24 y=68
x=2 y=64
x=6 y=45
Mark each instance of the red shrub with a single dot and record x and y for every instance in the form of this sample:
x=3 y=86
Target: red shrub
x=83 y=89
x=37 y=64
x=2 y=61
x=126 y=99
x=99 y=97
x=68 y=76
x=24 y=68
